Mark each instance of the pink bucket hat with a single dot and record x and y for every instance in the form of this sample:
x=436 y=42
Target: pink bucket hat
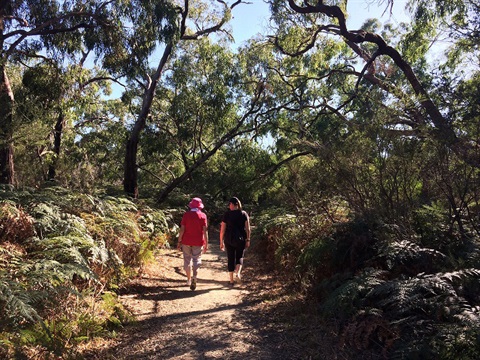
x=196 y=203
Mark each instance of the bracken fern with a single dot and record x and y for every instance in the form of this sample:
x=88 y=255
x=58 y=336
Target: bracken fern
x=59 y=252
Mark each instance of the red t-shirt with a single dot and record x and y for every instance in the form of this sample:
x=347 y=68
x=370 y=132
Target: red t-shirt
x=194 y=221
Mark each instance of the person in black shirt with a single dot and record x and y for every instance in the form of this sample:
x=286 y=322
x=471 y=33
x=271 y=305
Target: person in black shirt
x=235 y=237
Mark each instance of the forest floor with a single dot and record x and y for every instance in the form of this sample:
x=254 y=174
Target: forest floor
x=254 y=319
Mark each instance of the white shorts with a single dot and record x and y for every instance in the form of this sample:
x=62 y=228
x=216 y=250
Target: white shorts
x=192 y=254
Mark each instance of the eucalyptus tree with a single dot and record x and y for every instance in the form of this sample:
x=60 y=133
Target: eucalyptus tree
x=38 y=103
x=309 y=21
x=399 y=122
x=206 y=100
x=210 y=102
x=58 y=108
x=190 y=21
x=39 y=30
x=301 y=96
x=363 y=108
x=195 y=104
x=307 y=116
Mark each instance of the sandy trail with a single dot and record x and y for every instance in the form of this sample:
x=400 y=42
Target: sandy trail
x=215 y=321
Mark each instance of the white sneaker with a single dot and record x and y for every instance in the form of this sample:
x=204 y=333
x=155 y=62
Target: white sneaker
x=238 y=278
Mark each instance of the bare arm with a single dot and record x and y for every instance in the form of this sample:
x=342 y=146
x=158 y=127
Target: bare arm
x=180 y=236
x=222 y=234
x=205 y=236
x=247 y=231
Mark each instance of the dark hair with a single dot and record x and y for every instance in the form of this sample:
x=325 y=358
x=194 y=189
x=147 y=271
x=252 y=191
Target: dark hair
x=235 y=201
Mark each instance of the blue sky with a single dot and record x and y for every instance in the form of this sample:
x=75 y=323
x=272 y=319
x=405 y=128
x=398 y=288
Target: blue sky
x=250 y=19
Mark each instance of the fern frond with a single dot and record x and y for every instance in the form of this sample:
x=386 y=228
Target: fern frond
x=17 y=303
x=347 y=298
x=99 y=253
x=56 y=273
x=73 y=225
x=64 y=257
x=460 y=275
x=469 y=316
x=404 y=297
x=409 y=256
x=115 y=204
x=154 y=222
x=47 y=217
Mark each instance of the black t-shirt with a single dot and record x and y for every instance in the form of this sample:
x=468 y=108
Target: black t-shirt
x=235 y=221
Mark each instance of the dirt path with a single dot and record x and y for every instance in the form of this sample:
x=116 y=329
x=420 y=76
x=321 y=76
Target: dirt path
x=215 y=321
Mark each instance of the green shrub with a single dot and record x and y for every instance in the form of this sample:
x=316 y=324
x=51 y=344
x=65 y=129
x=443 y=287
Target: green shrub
x=401 y=290
x=60 y=253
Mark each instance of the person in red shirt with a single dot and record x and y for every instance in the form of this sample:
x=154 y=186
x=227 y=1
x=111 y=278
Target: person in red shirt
x=193 y=240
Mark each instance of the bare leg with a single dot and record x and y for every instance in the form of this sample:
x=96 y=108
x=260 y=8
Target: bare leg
x=231 y=277
x=193 y=281
x=238 y=270
x=188 y=271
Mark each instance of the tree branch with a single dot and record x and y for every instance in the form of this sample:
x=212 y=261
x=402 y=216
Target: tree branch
x=444 y=131
x=279 y=164
x=48 y=28
x=151 y=173
x=101 y=78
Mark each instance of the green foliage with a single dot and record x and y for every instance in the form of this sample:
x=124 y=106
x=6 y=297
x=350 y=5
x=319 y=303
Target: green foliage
x=379 y=308
x=379 y=224
x=399 y=290
x=18 y=297
x=345 y=300
x=457 y=18
x=271 y=226
x=63 y=250
x=61 y=333
x=312 y=256
x=17 y=303
x=301 y=244
x=238 y=164
x=408 y=258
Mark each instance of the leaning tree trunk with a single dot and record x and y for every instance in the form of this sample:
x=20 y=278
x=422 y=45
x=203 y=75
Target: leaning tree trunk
x=444 y=131
x=7 y=170
x=130 y=176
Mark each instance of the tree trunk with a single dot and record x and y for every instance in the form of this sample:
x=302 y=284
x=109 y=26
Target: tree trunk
x=7 y=170
x=57 y=141
x=130 y=176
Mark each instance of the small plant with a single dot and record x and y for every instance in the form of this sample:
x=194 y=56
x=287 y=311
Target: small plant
x=15 y=223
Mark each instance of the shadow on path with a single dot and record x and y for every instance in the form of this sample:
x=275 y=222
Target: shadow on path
x=215 y=321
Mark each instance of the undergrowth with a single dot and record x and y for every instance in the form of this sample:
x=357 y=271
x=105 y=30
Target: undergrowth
x=394 y=291
x=62 y=256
